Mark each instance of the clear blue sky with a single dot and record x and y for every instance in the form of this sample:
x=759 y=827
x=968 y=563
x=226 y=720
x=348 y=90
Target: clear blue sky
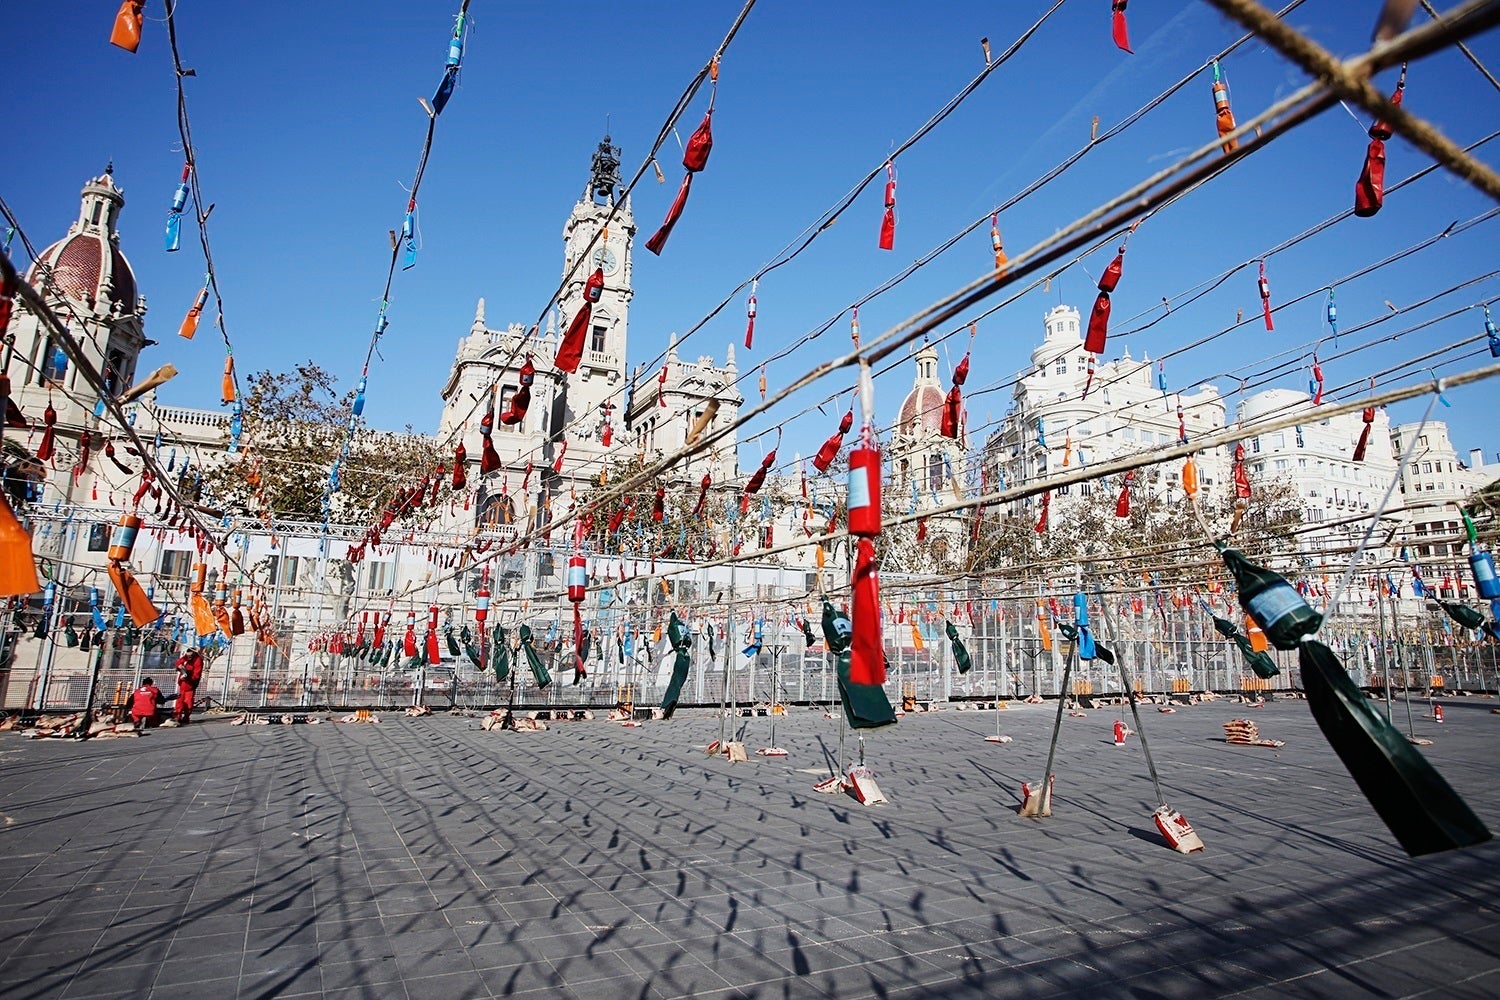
x=307 y=124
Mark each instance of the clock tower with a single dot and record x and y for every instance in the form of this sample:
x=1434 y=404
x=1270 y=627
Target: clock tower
x=566 y=410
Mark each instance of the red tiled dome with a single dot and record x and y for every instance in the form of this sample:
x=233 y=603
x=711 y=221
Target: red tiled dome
x=76 y=264
x=924 y=403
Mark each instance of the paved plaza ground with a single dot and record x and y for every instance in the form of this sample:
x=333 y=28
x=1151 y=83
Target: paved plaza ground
x=426 y=858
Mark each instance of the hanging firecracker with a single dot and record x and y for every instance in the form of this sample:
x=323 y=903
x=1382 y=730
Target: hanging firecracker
x=1098 y=329
x=1002 y=264
x=489 y=459
x=460 y=467
x=1491 y=333
x=195 y=312
x=1367 y=417
x=702 y=496
x=227 y=388
x=1041 y=523
x=578 y=581
x=174 y=212
x=888 y=220
x=129 y=19
x=830 y=448
x=756 y=481
x=451 y=65
x=1118 y=28
x=1223 y=115
x=47 y=448
x=521 y=399
x=694 y=159
x=1315 y=385
x=1190 y=478
x=1241 y=476
x=1369 y=190
x=953 y=404
x=1122 y=505
x=750 y=316
x=570 y=350
x=409 y=235
x=1264 y=287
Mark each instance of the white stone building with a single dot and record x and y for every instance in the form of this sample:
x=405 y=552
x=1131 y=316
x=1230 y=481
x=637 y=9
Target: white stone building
x=1434 y=483
x=1060 y=420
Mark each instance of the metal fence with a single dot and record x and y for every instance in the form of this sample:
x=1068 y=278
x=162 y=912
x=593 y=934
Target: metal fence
x=1009 y=661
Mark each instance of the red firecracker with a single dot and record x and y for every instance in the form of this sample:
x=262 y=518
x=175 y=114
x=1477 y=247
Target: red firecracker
x=1264 y=287
x=1118 y=28
x=1241 y=477
x=1317 y=371
x=888 y=221
x=830 y=449
x=1041 y=524
x=489 y=459
x=1122 y=505
x=47 y=448
x=694 y=159
x=516 y=411
x=750 y=318
x=1368 y=416
x=953 y=404
x=702 y=496
x=1099 y=318
x=866 y=652
x=433 y=653
x=460 y=467
x=659 y=505
x=757 y=480
x=570 y=351
x=1369 y=190
x=409 y=641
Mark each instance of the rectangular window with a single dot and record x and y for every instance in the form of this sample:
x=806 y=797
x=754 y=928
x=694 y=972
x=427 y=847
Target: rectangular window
x=596 y=339
x=1427 y=467
x=287 y=570
x=1255 y=446
x=1061 y=367
x=1129 y=433
x=176 y=565
x=378 y=576
x=1278 y=441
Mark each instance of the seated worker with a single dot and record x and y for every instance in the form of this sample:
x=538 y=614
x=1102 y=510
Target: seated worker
x=143 y=704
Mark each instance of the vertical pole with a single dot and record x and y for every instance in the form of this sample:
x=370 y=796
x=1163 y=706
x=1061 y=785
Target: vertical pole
x=724 y=696
x=1385 y=666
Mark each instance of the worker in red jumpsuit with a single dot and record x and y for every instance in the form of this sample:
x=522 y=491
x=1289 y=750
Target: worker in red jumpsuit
x=189 y=673
x=143 y=704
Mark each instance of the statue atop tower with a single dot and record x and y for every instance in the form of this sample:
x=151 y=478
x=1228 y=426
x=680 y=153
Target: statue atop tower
x=604 y=172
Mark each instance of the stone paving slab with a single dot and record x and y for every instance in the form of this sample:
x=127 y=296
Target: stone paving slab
x=428 y=858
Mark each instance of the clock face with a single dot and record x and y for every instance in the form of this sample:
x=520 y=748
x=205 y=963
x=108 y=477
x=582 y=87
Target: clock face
x=605 y=258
